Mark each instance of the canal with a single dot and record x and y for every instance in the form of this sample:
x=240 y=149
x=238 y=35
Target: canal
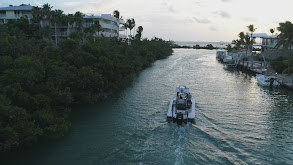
x=237 y=121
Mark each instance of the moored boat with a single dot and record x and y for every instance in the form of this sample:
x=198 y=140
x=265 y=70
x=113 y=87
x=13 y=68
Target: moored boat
x=228 y=59
x=182 y=106
x=267 y=80
x=220 y=54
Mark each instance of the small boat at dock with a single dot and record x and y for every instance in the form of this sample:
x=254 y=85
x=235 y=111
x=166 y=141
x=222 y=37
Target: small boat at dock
x=220 y=54
x=182 y=106
x=264 y=80
x=228 y=59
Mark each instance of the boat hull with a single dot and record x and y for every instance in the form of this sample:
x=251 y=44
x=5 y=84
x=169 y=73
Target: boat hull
x=266 y=80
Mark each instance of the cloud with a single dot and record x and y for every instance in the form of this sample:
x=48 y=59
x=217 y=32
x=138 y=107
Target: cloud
x=202 y=21
x=96 y=7
x=223 y=14
x=212 y=28
x=249 y=19
x=196 y=3
x=226 y=0
x=169 y=6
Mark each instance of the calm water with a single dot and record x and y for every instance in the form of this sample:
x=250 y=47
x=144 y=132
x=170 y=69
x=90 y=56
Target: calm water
x=220 y=44
x=237 y=121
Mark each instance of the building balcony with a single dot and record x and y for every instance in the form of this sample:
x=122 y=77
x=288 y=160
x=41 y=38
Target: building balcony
x=122 y=28
x=121 y=21
x=108 y=34
x=109 y=26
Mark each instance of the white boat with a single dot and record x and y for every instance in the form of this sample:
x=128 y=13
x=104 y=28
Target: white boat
x=220 y=54
x=182 y=106
x=267 y=80
x=228 y=59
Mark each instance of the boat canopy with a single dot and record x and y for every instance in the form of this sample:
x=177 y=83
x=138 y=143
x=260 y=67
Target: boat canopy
x=182 y=89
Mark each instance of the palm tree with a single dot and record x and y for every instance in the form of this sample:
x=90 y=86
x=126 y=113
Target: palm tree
x=285 y=38
x=78 y=19
x=229 y=48
x=244 y=40
x=70 y=19
x=252 y=30
x=237 y=44
x=97 y=27
x=133 y=25
x=58 y=19
x=47 y=13
x=241 y=35
x=116 y=14
x=37 y=15
x=139 y=32
x=129 y=25
x=272 y=31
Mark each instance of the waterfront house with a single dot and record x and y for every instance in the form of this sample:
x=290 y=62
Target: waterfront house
x=264 y=41
x=267 y=44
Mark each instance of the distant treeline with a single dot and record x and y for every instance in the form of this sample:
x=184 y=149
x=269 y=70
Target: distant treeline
x=209 y=46
x=39 y=81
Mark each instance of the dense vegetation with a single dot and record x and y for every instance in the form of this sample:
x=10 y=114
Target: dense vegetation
x=285 y=39
x=40 y=81
x=282 y=65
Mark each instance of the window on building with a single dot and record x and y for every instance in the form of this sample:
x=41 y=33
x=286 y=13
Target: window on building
x=17 y=13
x=26 y=12
x=2 y=13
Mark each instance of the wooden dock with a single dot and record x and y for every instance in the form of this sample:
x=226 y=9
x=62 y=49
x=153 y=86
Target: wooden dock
x=254 y=66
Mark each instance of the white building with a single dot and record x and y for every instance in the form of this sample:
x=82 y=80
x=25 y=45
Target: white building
x=15 y=12
x=264 y=41
x=110 y=25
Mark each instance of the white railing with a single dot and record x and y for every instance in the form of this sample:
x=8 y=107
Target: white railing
x=109 y=26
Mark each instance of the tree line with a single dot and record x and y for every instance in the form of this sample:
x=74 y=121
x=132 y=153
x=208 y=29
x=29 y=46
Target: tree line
x=40 y=81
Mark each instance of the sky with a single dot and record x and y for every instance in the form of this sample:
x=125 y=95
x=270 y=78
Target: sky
x=184 y=20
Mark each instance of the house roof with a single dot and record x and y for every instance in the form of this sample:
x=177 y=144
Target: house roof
x=21 y=7
x=262 y=35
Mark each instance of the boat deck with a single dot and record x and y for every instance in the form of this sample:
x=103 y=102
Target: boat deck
x=191 y=110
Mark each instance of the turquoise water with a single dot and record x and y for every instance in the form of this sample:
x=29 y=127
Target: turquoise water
x=237 y=121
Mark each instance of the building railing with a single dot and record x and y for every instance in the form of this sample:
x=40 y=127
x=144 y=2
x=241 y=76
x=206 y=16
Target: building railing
x=109 y=26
